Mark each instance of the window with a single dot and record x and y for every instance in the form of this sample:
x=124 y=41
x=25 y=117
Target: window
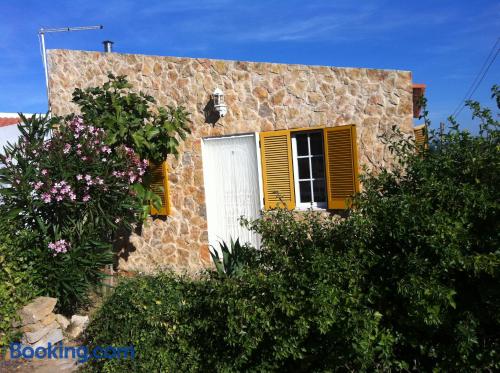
x=309 y=169
x=421 y=137
x=304 y=168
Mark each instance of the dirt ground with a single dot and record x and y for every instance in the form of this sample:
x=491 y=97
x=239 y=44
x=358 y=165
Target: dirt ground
x=38 y=366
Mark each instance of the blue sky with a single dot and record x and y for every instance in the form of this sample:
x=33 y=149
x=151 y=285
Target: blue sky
x=444 y=43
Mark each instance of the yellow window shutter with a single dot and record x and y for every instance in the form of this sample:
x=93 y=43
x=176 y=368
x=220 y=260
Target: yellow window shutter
x=421 y=139
x=277 y=170
x=159 y=185
x=341 y=165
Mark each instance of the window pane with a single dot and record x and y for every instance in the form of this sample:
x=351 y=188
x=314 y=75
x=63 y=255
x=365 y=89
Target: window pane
x=318 y=167
x=302 y=147
x=319 y=191
x=305 y=191
x=316 y=143
x=303 y=164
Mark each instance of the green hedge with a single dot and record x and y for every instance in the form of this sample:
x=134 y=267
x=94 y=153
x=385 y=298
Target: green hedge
x=408 y=281
x=260 y=322
x=19 y=282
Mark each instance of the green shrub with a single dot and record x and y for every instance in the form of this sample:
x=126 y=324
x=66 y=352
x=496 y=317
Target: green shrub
x=428 y=239
x=409 y=280
x=306 y=314
x=19 y=281
x=152 y=314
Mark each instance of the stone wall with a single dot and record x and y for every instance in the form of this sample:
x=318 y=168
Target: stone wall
x=260 y=97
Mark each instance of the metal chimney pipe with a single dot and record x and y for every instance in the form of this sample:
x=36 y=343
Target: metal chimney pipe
x=108 y=46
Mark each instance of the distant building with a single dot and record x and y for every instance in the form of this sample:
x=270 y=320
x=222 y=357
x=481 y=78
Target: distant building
x=8 y=128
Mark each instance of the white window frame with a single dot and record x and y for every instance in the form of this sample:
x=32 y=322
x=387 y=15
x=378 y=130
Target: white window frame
x=306 y=205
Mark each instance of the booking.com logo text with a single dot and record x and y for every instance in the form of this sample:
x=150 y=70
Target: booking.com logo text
x=80 y=353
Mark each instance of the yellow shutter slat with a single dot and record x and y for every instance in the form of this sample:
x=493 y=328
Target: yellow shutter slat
x=159 y=185
x=341 y=165
x=277 y=170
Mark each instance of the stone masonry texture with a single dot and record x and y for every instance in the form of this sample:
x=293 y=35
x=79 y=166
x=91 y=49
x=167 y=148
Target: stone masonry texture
x=260 y=97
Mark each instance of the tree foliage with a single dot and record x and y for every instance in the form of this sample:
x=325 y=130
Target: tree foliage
x=136 y=121
x=133 y=119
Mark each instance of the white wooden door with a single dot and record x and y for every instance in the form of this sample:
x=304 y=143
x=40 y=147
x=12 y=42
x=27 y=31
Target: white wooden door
x=230 y=170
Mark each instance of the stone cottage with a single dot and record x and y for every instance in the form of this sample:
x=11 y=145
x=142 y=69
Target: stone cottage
x=293 y=134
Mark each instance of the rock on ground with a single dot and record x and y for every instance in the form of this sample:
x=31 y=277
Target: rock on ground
x=62 y=321
x=37 y=310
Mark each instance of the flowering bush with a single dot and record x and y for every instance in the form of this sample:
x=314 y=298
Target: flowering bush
x=136 y=121
x=75 y=191
x=72 y=189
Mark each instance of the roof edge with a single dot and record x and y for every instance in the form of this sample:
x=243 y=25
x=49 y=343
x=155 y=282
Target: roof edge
x=49 y=51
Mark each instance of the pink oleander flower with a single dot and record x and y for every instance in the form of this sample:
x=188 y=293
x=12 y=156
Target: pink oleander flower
x=79 y=177
x=60 y=246
x=44 y=172
x=86 y=198
x=88 y=177
x=72 y=196
x=46 y=197
x=67 y=148
x=59 y=198
x=38 y=185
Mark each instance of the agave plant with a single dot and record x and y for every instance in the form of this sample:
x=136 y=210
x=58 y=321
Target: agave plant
x=232 y=261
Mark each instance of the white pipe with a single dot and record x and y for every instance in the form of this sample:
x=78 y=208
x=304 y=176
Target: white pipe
x=44 y=57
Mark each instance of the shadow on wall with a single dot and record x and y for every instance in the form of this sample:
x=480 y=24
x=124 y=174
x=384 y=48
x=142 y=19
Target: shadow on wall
x=211 y=115
x=122 y=247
